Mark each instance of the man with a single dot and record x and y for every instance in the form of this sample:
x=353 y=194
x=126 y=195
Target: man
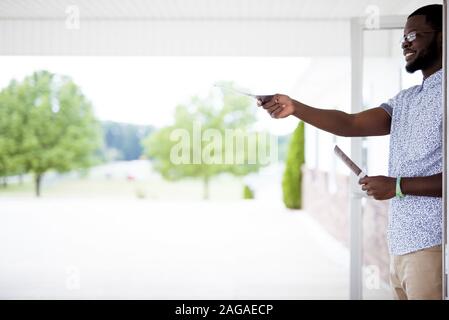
x=413 y=118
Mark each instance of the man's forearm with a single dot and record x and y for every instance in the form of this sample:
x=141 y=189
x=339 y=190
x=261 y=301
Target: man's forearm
x=431 y=186
x=333 y=121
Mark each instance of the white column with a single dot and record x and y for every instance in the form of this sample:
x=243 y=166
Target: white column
x=356 y=239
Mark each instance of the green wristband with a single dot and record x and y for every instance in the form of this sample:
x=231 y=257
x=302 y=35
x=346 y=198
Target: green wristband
x=399 y=193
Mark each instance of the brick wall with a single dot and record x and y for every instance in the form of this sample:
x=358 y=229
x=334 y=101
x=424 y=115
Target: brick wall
x=332 y=211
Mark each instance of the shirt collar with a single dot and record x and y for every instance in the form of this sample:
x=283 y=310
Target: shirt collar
x=433 y=79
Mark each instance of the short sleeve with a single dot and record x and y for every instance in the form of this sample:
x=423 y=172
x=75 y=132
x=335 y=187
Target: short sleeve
x=394 y=102
x=388 y=108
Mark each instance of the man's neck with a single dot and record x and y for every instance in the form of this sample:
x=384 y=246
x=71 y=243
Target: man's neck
x=431 y=70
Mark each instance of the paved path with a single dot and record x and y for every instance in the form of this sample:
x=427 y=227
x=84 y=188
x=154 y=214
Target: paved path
x=138 y=249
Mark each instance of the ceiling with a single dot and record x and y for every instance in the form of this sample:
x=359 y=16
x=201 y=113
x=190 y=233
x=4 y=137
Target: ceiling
x=207 y=9
x=193 y=27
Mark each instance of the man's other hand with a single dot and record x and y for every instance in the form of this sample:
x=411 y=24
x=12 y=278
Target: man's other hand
x=379 y=187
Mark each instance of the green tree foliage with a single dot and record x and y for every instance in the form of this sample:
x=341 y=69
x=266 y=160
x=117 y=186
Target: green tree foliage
x=292 y=179
x=123 y=141
x=51 y=126
x=230 y=112
x=11 y=132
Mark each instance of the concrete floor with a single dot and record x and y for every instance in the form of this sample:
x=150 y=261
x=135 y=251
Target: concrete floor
x=141 y=249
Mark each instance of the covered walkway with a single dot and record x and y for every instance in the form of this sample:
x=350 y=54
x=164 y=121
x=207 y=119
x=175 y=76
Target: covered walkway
x=140 y=249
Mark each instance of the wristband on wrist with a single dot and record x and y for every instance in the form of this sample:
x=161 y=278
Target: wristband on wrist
x=399 y=193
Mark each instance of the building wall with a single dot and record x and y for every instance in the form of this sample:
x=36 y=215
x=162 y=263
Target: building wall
x=331 y=209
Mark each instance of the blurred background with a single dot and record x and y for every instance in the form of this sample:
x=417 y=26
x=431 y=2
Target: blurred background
x=93 y=94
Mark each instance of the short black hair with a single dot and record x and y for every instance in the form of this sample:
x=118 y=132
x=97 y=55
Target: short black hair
x=433 y=14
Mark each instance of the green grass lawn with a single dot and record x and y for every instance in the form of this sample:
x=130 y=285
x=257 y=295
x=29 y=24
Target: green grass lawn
x=17 y=189
x=155 y=189
x=126 y=179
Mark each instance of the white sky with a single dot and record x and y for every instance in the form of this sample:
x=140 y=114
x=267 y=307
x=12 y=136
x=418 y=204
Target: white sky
x=145 y=90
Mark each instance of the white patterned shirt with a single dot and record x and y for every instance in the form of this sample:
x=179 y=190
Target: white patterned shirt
x=416 y=144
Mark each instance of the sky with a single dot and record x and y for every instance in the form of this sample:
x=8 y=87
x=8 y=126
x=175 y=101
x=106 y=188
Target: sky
x=146 y=90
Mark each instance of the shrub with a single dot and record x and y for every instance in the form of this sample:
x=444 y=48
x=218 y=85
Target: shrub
x=292 y=179
x=247 y=192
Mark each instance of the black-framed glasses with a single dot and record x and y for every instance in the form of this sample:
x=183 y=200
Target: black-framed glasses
x=411 y=36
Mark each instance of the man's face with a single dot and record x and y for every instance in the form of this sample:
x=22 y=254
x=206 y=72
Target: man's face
x=425 y=50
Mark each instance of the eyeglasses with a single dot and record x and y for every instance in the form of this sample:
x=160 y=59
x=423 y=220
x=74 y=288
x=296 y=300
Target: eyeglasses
x=411 y=36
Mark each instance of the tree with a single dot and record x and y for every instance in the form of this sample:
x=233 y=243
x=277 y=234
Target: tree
x=292 y=179
x=11 y=160
x=200 y=143
x=54 y=128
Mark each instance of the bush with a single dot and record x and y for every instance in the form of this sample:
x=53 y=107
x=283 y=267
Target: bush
x=292 y=179
x=248 y=193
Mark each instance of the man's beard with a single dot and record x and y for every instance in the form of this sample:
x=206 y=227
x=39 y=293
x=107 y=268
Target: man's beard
x=425 y=59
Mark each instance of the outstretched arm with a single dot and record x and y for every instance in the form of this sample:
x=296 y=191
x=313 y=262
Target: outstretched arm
x=372 y=122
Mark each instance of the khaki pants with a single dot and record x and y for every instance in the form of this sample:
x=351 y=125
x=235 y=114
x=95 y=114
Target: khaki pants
x=417 y=275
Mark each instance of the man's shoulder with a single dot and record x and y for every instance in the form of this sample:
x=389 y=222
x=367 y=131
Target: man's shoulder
x=403 y=96
x=404 y=93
